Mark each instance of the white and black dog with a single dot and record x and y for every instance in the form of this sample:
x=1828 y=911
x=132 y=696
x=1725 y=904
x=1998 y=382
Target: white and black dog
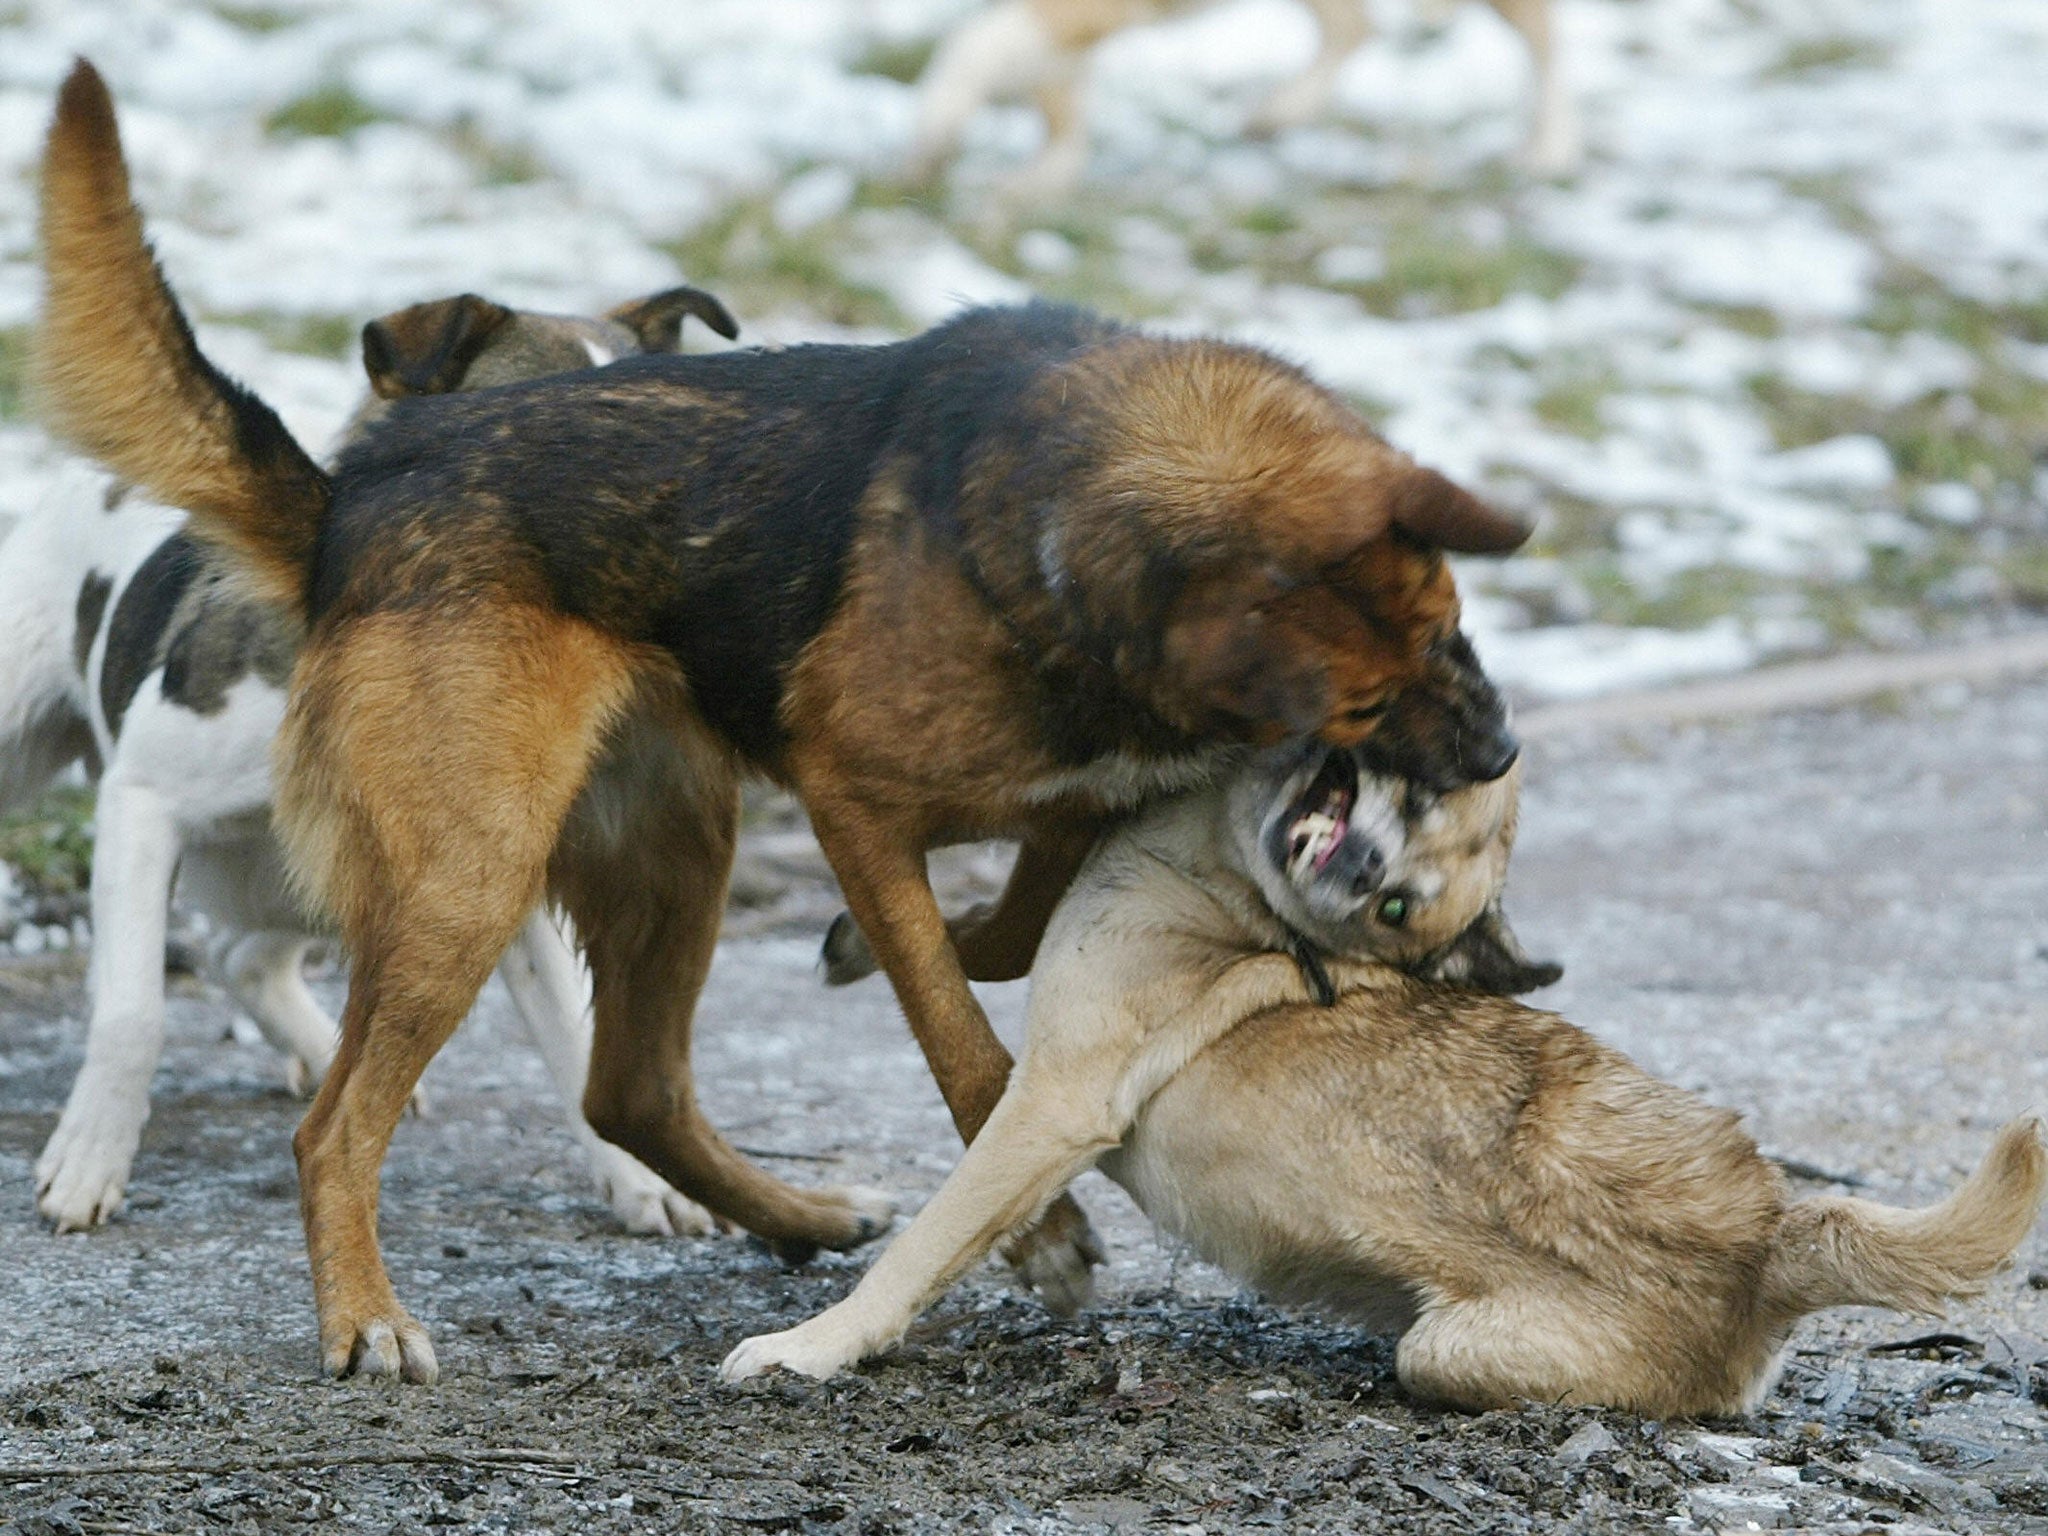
x=121 y=647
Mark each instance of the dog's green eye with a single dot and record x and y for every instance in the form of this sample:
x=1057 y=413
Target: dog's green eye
x=1393 y=911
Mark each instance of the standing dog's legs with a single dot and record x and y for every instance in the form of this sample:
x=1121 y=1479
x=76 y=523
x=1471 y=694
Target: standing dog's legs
x=553 y=999
x=1342 y=27
x=1553 y=146
x=881 y=869
x=83 y=1171
x=642 y=870
x=428 y=763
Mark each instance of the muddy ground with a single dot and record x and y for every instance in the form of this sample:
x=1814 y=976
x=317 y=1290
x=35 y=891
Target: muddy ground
x=1837 y=922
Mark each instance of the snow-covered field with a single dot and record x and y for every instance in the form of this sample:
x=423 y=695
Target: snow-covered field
x=1773 y=367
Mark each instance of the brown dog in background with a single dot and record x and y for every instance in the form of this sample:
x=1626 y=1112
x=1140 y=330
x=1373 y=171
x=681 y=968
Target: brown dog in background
x=1010 y=577
x=1537 y=1217
x=1038 y=49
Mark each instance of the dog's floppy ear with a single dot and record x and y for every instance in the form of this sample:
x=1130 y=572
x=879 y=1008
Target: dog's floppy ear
x=427 y=349
x=1487 y=957
x=1429 y=508
x=658 y=319
x=1229 y=665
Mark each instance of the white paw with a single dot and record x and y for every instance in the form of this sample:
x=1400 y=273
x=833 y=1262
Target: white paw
x=83 y=1171
x=643 y=1201
x=806 y=1349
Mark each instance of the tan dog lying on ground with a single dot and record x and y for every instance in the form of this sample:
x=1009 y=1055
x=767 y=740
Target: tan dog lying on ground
x=1038 y=49
x=1538 y=1217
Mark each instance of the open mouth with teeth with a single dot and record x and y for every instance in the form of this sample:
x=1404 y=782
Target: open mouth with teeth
x=1319 y=818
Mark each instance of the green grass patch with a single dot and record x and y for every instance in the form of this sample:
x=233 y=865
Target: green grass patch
x=1571 y=401
x=755 y=267
x=498 y=165
x=1990 y=435
x=14 y=350
x=260 y=19
x=899 y=59
x=1821 y=54
x=311 y=335
x=1432 y=271
x=331 y=110
x=50 y=843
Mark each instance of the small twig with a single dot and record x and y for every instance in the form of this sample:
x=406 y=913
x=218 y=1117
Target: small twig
x=1799 y=1168
x=513 y=1459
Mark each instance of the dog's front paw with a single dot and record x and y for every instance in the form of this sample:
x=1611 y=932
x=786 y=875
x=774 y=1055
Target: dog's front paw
x=807 y=1349
x=643 y=1201
x=388 y=1344
x=1057 y=1258
x=82 y=1174
x=852 y=1215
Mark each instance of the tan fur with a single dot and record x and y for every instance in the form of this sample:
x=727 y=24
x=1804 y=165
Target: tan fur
x=1539 y=1218
x=135 y=396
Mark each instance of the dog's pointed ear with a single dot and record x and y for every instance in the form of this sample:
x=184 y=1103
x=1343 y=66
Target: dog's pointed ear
x=1487 y=957
x=658 y=319
x=426 y=349
x=1429 y=508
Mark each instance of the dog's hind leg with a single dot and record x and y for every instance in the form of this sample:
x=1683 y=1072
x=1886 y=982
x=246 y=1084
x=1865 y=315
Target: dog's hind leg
x=428 y=762
x=265 y=973
x=552 y=996
x=83 y=1171
x=642 y=869
x=1553 y=146
x=1342 y=27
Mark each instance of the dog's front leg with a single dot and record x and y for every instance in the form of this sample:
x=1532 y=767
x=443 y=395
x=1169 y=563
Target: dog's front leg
x=1031 y=1147
x=881 y=869
x=83 y=1171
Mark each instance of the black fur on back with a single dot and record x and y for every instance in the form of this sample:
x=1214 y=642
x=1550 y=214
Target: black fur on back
x=702 y=504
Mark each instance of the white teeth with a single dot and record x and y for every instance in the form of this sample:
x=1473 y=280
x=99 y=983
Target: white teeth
x=1311 y=835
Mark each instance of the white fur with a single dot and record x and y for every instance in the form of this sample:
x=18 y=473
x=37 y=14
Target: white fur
x=185 y=797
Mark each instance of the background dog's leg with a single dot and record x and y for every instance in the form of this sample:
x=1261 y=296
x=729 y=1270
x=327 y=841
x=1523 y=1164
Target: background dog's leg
x=643 y=871
x=1342 y=27
x=1001 y=52
x=994 y=942
x=1060 y=161
x=1030 y=1149
x=1553 y=146
x=83 y=1171
x=552 y=995
x=881 y=869
x=266 y=975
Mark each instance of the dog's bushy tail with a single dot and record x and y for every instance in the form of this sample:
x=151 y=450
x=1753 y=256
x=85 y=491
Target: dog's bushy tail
x=1841 y=1251
x=120 y=376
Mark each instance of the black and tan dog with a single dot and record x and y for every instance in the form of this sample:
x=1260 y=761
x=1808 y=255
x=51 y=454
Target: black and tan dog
x=1006 y=578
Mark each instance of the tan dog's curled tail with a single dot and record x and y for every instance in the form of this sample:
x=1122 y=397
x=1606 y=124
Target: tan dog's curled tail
x=1842 y=1251
x=120 y=376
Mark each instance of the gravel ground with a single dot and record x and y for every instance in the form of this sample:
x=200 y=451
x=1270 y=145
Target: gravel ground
x=1836 y=921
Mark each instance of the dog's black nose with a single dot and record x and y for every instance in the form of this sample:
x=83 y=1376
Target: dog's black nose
x=1489 y=757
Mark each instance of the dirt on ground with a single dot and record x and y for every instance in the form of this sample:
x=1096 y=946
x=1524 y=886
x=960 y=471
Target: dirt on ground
x=1835 y=922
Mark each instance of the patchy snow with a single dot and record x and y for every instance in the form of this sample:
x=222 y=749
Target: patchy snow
x=1735 y=355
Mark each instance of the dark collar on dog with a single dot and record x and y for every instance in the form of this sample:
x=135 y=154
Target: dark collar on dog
x=1313 y=972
